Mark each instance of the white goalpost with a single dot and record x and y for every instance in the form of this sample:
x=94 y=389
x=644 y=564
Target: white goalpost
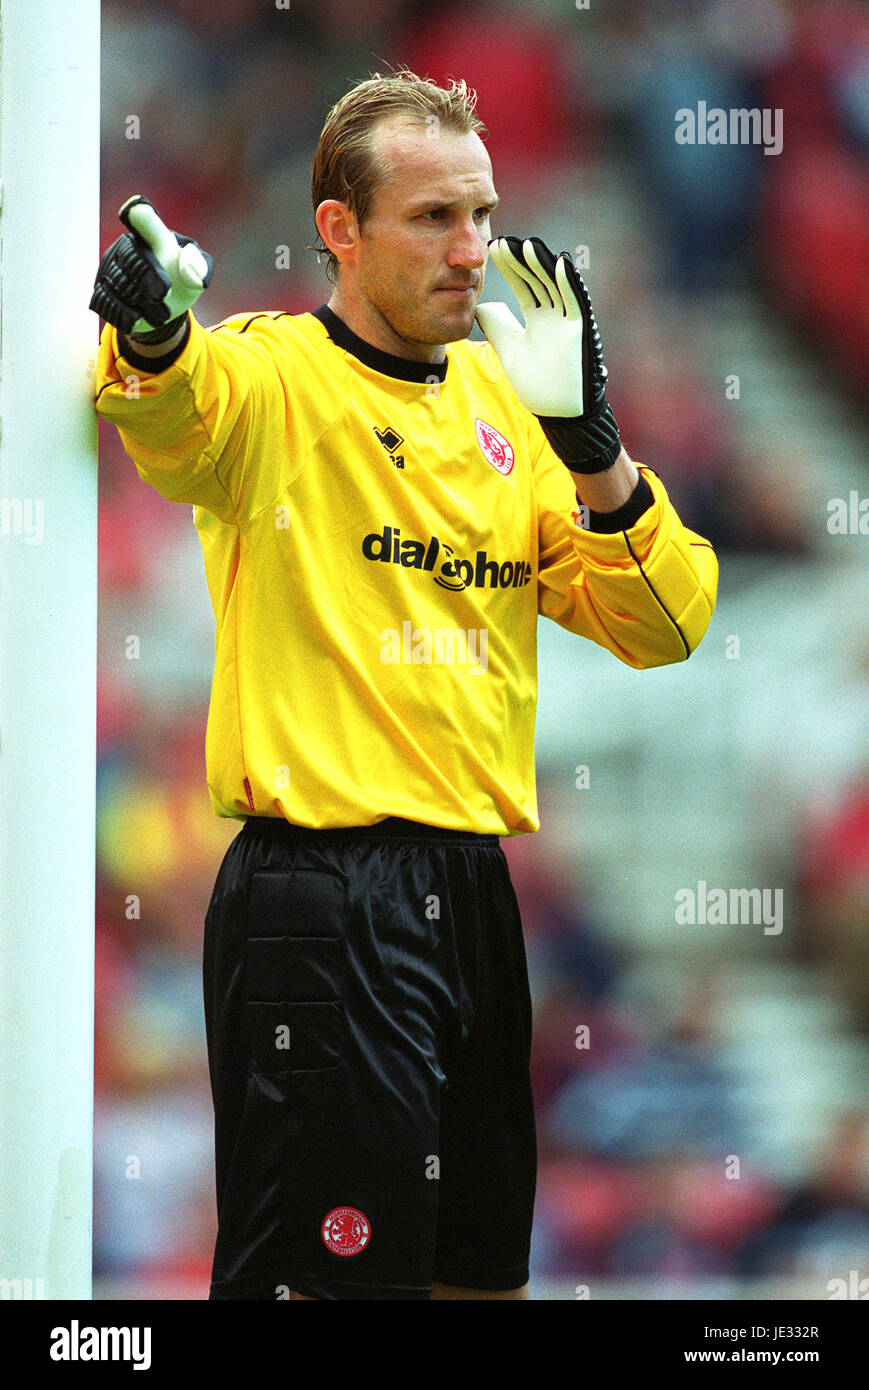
x=49 y=230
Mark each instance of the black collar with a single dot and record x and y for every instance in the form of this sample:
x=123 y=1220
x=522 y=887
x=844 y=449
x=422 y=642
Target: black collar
x=405 y=368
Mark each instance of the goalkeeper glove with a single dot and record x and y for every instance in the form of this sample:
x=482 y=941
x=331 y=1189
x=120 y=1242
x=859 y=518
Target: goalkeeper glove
x=554 y=363
x=149 y=278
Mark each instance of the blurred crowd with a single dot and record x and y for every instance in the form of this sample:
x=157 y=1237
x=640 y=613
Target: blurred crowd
x=213 y=109
x=654 y=1143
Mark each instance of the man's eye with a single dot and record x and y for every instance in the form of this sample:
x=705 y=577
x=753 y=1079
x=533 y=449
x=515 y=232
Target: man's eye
x=436 y=213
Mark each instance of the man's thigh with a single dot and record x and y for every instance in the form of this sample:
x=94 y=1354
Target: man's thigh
x=330 y=994
x=487 y=1142
x=324 y=1135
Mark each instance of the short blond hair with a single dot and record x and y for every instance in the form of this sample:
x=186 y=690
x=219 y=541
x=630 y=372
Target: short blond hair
x=345 y=167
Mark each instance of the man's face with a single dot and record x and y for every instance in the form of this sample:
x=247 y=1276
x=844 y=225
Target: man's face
x=422 y=250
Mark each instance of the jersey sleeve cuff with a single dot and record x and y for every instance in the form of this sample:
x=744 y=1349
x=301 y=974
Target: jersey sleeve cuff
x=153 y=365
x=625 y=516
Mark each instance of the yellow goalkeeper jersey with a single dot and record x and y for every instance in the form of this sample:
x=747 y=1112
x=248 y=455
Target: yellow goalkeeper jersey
x=380 y=536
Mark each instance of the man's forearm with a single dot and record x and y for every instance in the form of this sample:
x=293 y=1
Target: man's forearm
x=604 y=492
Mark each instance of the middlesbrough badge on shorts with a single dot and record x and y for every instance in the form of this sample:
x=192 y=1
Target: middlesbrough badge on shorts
x=498 y=450
x=346 y=1231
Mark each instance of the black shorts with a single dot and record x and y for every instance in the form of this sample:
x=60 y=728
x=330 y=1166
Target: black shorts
x=368 y=1020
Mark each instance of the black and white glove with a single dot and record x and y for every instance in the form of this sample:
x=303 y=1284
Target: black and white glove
x=554 y=362
x=149 y=278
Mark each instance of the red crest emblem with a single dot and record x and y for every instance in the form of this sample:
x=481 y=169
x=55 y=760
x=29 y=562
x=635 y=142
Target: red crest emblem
x=498 y=450
x=346 y=1231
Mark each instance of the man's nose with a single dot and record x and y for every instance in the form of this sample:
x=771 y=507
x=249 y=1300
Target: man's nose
x=469 y=247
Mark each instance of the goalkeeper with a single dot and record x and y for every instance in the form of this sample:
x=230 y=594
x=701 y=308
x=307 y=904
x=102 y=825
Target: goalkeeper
x=385 y=509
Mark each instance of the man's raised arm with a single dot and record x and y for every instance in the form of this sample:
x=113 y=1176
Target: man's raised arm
x=185 y=398
x=147 y=281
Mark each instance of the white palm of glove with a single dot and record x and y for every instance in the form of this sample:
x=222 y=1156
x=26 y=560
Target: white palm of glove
x=185 y=265
x=544 y=360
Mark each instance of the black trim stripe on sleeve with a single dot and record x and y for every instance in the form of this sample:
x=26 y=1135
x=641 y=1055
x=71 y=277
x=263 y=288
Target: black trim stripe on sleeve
x=105 y=386
x=655 y=595
x=283 y=314
x=158 y=364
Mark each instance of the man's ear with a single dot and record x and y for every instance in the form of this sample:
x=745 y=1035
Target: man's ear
x=338 y=228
